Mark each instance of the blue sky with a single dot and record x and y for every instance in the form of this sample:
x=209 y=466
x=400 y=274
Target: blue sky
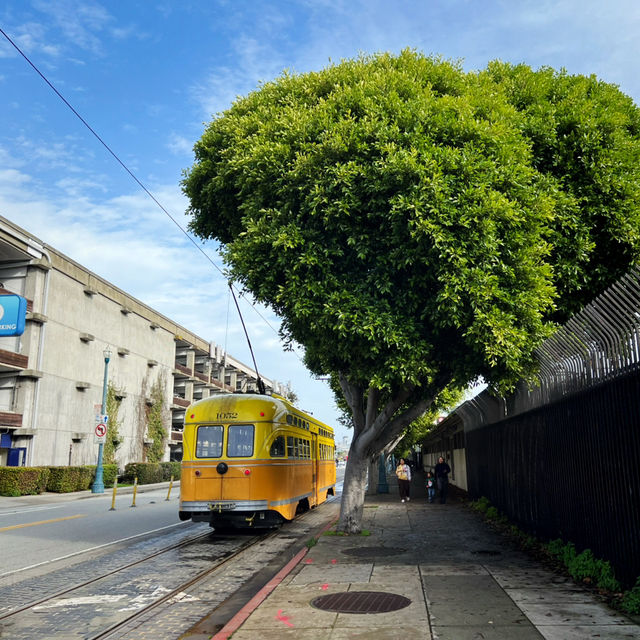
x=148 y=75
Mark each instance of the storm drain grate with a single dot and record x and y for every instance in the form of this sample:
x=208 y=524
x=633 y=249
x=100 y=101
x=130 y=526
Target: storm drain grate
x=368 y=552
x=361 y=602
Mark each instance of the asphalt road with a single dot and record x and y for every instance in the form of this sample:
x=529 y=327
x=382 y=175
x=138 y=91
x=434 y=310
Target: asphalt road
x=35 y=535
x=56 y=529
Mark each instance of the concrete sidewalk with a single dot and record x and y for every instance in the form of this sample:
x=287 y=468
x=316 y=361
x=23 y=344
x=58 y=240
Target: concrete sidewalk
x=461 y=581
x=7 y=502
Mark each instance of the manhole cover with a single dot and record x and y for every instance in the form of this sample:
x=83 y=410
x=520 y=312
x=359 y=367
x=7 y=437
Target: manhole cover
x=487 y=552
x=361 y=602
x=369 y=552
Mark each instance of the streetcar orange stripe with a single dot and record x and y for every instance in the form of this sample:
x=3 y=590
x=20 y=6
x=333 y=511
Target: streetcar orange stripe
x=33 y=524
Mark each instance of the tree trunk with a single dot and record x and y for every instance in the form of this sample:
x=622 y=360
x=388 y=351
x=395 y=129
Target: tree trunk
x=372 y=488
x=355 y=480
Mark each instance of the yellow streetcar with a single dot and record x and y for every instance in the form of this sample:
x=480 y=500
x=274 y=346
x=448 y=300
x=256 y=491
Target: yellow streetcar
x=253 y=460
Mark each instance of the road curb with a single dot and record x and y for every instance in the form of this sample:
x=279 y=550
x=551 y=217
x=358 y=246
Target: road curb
x=239 y=618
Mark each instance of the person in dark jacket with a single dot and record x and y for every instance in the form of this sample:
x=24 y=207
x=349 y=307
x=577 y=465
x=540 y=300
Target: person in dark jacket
x=441 y=473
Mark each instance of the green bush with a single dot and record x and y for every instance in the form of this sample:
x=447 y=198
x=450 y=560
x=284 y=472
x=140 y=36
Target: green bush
x=109 y=474
x=631 y=600
x=481 y=505
x=22 y=481
x=555 y=548
x=66 y=479
x=170 y=469
x=146 y=472
x=606 y=578
x=582 y=566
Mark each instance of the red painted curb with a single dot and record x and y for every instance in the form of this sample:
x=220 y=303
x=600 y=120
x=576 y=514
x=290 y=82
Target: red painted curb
x=236 y=622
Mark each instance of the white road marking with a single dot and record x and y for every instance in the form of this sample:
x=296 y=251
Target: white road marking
x=100 y=546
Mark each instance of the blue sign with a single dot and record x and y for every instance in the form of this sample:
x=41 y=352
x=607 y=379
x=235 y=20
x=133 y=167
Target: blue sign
x=13 y=312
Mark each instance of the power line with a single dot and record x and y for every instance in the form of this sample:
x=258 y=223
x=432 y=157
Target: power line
x=135 y=178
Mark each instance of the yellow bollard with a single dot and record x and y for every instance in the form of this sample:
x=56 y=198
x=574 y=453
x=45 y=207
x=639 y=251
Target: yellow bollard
x=169 y=492
x=135 y=491
x=113 y=499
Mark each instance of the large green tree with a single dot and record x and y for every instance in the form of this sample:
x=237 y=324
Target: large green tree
x=416 y=226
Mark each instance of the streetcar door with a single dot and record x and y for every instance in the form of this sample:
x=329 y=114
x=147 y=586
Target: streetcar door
x=316 y=467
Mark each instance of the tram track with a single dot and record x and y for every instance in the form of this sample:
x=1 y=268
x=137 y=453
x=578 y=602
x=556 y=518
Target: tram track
x=111 y=572
x=115 y=603
x=105 y=633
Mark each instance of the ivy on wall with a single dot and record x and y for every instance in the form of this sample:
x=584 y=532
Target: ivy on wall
x=155 y=419
x=113 y=439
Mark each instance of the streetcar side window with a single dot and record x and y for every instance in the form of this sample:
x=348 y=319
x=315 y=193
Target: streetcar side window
x=290 y=449
x=209 y=441
x=240 y=441
x=277 y=447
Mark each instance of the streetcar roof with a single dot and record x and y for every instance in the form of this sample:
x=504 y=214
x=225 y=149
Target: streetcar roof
x=249 y=407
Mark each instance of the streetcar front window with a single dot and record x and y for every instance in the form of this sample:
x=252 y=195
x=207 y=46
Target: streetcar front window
x=209 y=441
x=240 y=441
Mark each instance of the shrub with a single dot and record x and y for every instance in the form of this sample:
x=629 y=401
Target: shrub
x=582 y=566
x=109 y=474
x=631 y=600
x=606 y=578
x=491 y=513
x=555 y=548
x=481 y=505
x=170 y=469
x=21 y=481
x=66 y=479
x=146 y=472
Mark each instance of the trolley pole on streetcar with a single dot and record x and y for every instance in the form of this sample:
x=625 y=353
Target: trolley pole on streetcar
x=98 y=483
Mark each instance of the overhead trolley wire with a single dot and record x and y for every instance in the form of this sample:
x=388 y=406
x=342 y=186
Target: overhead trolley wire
x=138 y=182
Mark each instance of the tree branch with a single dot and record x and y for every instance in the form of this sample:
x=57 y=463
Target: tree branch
x=373 y=397
x=377 y=427
x=354 y=395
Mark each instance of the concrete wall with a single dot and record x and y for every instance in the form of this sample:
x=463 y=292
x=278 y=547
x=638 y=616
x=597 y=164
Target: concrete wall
x=51 y=377
x=82 y=321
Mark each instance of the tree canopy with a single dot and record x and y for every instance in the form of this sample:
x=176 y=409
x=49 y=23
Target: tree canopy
x=416 y=226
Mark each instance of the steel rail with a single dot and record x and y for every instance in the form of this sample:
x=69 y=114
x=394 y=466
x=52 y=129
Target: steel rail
x=102 y=576
x=144 y=611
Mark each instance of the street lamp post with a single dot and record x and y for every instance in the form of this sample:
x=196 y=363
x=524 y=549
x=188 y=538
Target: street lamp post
x=383 y=486
x=98 y=482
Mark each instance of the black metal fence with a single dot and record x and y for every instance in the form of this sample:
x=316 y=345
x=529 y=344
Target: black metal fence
x=571 y=470
x=562 y=458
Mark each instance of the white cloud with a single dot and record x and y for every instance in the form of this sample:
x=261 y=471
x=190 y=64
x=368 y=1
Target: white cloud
x=79 y=21
x=179 y=145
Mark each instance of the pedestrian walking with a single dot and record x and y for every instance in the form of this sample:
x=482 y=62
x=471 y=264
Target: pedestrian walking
x=403 y=471
x=442 y=472
x=431 y=486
